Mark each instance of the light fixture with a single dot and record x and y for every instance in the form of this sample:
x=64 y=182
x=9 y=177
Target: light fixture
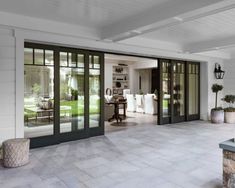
x=219 y=74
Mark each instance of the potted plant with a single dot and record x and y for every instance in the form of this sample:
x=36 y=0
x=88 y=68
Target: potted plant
x=217 y=113
x=229 y=112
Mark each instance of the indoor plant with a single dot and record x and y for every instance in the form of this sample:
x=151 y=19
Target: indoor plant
x=229 y=112
x=217 y=113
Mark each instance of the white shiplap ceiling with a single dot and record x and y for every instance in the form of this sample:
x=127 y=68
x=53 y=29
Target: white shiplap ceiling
x=218 y=25
x=92 y=13
x=191 y=26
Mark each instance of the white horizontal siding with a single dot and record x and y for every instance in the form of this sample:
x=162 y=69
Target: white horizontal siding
x=7 y=133
x=7 y=121
x=7 y=109
x=7 y=52
x=7 y=41
x=7 y=64
x=7 y=76
x=229 y=78
x=5 y=32
x=7 y=84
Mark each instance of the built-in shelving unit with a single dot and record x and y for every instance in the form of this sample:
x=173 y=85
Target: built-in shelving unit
x=120 y=79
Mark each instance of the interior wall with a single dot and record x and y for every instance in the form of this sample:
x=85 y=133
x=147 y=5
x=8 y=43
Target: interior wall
x=108 y=76
x=146 y=80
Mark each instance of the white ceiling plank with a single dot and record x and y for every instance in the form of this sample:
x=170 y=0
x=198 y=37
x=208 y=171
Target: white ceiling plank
x=157 y=15
x=215 y=44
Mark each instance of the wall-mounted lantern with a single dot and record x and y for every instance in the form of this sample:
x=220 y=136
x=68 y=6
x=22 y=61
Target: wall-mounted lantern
x=219 y=74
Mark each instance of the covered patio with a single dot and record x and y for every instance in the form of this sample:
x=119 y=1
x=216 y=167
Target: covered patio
x=178 y=155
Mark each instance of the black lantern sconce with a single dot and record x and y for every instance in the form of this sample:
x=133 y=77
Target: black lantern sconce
x=219 y=74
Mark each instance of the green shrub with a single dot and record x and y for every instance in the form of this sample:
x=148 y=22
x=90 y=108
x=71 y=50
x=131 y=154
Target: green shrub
x=229 y=109
x=230 y=99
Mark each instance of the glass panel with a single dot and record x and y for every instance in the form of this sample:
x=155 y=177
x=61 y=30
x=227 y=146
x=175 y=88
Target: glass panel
x=28 y=56
x=38 y=57
x=193 y=90
x=49 y=57
x=63 y=59
x=96 y=62
x=80 y=60
x=193 y=69
x=71 y=99
x=38 y=100
x=90 y=61
x=178 y=90
x=166 y=88
x=94 y=95
x=72 y=60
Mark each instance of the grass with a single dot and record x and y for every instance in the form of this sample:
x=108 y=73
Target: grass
x=77 y=108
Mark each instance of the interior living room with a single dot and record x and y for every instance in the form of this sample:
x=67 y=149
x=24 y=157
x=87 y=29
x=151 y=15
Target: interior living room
x=131 y=85
x=105 y=93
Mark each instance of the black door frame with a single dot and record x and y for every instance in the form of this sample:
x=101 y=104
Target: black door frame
x=176 y=119
x=88 y=132
x=193 y=116
x=58 y=137
x=171 y=119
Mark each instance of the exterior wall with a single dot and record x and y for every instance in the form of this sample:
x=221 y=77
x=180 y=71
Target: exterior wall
x=7 y=84
x=229 y=78
x=211 y=80
x=12 y=71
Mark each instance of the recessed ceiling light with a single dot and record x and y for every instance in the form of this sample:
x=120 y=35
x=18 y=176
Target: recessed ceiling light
x=178 y=18
x=217 y=48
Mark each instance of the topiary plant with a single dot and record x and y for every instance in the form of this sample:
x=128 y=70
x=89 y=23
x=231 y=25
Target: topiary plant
x=230 y=99
x=215 y=89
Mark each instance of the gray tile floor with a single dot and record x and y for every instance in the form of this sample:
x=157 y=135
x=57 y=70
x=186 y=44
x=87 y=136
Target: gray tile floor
x=184 y=155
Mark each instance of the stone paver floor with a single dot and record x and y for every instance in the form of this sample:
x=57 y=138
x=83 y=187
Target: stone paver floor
x=184 y=155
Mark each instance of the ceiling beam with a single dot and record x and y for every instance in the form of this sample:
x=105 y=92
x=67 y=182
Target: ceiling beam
x=157 y=16
x=210 y=45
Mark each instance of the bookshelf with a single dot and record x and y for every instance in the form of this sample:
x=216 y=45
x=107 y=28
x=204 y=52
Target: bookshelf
x=120 y=79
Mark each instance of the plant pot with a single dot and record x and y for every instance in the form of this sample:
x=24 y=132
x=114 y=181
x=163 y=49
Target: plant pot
x=217 y=116
x=229 y=117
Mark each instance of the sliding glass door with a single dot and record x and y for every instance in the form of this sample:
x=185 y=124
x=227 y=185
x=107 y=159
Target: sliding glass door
x=63 y=94
x=164 y=115
x=39 y=96
x=193 y=84
x=71 y=92
x=179 y=91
